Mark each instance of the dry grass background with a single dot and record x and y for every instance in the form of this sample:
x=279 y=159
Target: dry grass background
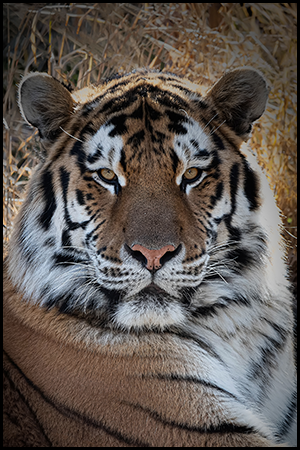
x=84 y=43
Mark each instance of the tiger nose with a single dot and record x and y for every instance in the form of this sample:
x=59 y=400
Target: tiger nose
x=153 y=256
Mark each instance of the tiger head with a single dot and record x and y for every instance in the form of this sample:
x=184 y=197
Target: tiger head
x=146 y=211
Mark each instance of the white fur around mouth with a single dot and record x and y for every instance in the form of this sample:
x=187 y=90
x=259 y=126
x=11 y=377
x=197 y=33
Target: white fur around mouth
x=148 y=312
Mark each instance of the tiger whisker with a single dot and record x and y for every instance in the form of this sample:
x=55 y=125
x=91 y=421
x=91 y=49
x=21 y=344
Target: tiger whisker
x=86 y=295
x=214 y=130
x=71 y=135
x=210 y=120
x=215 y=271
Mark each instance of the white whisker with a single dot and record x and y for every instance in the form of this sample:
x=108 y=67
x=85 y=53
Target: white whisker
x=210 y=120
x=71 y=135
x=214 y=130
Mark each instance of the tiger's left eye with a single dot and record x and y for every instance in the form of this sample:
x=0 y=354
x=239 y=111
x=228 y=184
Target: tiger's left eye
x=107 y=174
x=191 y=174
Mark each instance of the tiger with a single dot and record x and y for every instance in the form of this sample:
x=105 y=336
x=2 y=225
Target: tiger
x=146 y=298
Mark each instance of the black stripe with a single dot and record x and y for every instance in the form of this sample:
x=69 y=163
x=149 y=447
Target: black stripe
x=66 y=235
x=90 y=234
x=218 y=194
x=212 y=310
x=176 y=117
x=175 y=160
x=215 y=163
x=116 y=86
x=202 y=154
x=99 y=100
x=182 y=334
x=243 y=258
x=267 y=359
x=169 y=99
x=89 y=128
x=64 y=303
x=80 y=197
x=177 y=128
x=136 y=139
x=235 y=233
x=124 y=100
x=81 y=156
x=114 y=296
x=49 y=198
x=97 y=155
x=138 y=113
x=282 y=332
x=68 y=258
x=64 y=180
x=217 y=140
x=66 y=239
x=224 y=302
x=251 y=186
x=152 y=113
x=176 y=121
x=72 y=414
x=190 y=379
x=199 y=103
x=16 y=389
x=287 y=422
x=119 y=103
x=118 y=122
x=123 y=160
x=234 y=180
x=223 y=427
x=159 y=137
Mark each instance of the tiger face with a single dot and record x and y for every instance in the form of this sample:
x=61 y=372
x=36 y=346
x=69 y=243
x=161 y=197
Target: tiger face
x=146 y=211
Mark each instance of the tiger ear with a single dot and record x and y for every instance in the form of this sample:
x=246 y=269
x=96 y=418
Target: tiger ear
x=240 y=98
x=45 y=103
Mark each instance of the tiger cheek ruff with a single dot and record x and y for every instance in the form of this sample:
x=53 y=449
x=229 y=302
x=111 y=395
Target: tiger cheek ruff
x=145 y=293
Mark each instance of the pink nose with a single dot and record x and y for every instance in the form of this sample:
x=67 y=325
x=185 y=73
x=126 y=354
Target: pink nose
x=153 y=256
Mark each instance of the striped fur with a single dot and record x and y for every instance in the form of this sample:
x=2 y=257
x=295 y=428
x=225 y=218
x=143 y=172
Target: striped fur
x=195 y=352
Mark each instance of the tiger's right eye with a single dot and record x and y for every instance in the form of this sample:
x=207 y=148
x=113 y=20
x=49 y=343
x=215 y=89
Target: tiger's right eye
x=192 y=174
x=107 y=175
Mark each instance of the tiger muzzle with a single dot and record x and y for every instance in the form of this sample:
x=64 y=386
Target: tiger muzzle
x=152 y=228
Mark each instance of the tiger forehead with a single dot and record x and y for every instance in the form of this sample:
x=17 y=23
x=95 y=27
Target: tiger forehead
x=158 y=92
x=146 y=135
x=145 y=119
x=149 y=127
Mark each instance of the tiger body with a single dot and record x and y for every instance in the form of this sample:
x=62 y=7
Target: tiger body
x=146 y=298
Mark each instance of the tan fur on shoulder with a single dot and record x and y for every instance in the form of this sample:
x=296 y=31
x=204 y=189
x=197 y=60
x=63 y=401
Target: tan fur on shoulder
x=101 y=396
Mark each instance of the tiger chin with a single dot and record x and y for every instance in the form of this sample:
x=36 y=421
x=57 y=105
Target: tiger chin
x=145 y=293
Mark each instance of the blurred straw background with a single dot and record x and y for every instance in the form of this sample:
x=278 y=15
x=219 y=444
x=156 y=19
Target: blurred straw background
x=83 y=43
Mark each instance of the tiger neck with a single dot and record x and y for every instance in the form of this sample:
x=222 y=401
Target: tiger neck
x=64 y=361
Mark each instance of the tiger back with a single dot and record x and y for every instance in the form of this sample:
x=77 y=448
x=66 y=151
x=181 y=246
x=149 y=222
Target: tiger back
x=146 y=299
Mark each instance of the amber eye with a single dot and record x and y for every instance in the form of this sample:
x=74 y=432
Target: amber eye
x=107 y=175
x=191 y=174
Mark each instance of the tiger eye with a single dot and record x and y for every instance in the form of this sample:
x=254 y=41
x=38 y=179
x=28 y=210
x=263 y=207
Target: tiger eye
x=191 y=173
x=107 y=174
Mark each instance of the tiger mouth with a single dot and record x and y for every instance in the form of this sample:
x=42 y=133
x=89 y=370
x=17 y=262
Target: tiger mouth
x=153 y=289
